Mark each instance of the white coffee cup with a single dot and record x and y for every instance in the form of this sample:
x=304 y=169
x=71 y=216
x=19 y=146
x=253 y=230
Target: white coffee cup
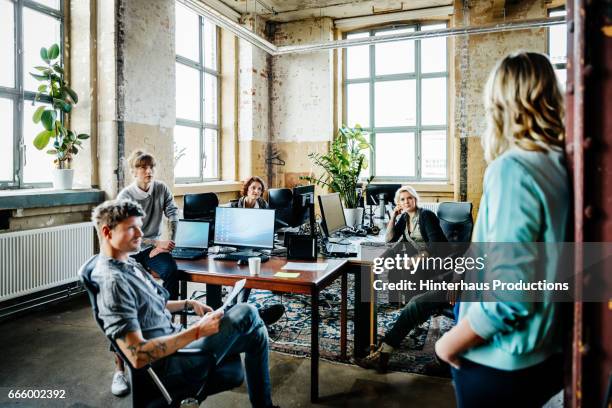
x=254 y=265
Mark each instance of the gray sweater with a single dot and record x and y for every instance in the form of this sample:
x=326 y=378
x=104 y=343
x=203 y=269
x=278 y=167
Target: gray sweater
x=156 y=202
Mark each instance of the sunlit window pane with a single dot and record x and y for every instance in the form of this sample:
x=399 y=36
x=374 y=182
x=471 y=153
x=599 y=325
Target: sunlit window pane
x=433 y=101
x=557 y=40
x=562 y=77
x=187 y=37
x=6 y=140
x=210 y=99
x=394 y=57
x=7 y=44
x=186 y=152
x=39 y=30
x=358 y=105
x=433 y=51
x=187 y=92
x=210 y=45
x=395 y=154
x=433 y=154
x=358 y=58
x=38 y=162
x=395 y=103
x=210 y=153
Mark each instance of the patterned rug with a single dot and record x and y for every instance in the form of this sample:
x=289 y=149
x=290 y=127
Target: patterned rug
x=291 y=334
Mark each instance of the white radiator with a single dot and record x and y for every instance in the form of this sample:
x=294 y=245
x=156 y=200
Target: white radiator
x=430 y=206
x=43 y=258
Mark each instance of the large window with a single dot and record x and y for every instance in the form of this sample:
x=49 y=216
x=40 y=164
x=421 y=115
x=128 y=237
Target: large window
x=557 y=46
x=398 y=92
x=25 y=27
x=196 y=135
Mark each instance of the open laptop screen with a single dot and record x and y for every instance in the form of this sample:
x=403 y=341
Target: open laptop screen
x=192 y=234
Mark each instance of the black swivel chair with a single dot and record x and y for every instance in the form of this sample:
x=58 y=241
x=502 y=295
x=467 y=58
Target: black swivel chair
x=200 y=206
x=457 y=224
x=281 y=199
x=146 y=387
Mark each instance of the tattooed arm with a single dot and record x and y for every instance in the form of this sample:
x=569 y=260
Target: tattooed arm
x=141 y=352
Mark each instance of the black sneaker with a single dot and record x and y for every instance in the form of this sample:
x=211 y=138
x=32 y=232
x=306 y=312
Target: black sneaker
x=271 y=314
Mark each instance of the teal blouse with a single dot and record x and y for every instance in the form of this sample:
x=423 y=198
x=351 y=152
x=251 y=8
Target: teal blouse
x=526 y=198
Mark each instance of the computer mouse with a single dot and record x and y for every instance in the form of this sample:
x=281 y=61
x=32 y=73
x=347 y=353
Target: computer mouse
x=241 y=262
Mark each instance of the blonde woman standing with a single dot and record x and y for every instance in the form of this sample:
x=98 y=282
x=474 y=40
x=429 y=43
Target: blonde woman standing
x=506 y=353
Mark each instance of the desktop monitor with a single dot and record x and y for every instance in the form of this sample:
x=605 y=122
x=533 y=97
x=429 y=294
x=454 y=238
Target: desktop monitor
x=332 y=213
x=244 y=227
x=373 y=191
x=192 y=234
x=302 y=197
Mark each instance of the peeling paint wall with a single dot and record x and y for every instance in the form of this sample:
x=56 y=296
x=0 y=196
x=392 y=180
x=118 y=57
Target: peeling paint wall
x=302 y=100
x=480 y=53
x=149 y=82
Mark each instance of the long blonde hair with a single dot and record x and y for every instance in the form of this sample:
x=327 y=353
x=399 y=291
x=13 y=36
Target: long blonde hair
x=524 y=106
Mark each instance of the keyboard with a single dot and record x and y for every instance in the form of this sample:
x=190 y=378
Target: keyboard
x=188 y=253
x=341 y=250
x=241 y=256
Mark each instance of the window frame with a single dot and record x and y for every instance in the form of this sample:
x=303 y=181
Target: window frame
x=200 y=124
x=558 y=65
x=18 y=95
x=418 y=76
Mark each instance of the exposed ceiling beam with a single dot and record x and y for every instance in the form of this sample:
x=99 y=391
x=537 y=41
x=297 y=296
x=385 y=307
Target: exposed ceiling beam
x=247 y=35
x=224 y=9
x=352 y=23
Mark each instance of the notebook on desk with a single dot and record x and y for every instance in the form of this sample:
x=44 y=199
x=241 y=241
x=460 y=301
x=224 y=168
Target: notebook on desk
x=191 y=239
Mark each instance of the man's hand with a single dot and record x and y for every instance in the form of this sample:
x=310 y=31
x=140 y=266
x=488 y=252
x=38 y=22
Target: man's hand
x=443 y=352
x=198 y=307
x=209 y=324
x=161 y=247
x=456 y=341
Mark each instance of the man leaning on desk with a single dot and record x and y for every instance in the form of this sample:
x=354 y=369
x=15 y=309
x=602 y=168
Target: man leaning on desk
x=135 y=310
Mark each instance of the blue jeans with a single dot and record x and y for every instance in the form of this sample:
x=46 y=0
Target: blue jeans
x=241 y=331
x=477 y=385
x=164 y=265
x=416 y=311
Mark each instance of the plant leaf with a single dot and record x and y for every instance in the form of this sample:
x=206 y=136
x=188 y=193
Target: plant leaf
x=58 y=69
x=42 y=139
x=72 y=94
x=53 y=52
x=37 y=114
x=42 y=88
x=83 y=136
x=43 y=54
x=40 y=77
x=51 y=151
x=48 y=117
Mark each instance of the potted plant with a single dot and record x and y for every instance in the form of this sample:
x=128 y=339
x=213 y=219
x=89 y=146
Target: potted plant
x=59 y=101
x=342 y=166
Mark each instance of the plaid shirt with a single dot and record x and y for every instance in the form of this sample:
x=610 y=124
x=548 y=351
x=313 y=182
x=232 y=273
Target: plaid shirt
x=130 y=299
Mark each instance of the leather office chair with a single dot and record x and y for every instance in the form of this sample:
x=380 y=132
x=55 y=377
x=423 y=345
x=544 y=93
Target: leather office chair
x=146 y=388
x=200 y=206
x=281 y=199
x=457 y=224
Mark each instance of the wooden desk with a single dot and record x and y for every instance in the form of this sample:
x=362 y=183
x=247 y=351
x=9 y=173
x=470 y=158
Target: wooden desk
x=218 y=273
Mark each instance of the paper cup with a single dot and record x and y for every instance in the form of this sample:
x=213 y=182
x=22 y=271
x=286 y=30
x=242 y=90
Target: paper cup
x=254 y=265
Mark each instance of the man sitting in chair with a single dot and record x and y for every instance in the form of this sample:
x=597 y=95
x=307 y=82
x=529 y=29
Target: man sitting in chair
x=135 y=311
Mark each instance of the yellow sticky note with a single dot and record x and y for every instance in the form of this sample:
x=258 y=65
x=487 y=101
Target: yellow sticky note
x=287 y=274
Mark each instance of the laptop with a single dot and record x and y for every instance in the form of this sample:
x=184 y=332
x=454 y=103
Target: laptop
x=191 y=239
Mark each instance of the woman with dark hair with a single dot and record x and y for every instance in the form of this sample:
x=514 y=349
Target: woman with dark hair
x=252 y=192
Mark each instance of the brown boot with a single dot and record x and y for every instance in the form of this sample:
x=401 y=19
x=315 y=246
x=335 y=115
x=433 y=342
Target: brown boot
x=376 y=360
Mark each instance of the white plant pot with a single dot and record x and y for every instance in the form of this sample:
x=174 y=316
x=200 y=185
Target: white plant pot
x=62 y=179
x=353 y=216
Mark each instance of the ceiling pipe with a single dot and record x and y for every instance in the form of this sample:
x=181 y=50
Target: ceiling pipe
x=242 y=32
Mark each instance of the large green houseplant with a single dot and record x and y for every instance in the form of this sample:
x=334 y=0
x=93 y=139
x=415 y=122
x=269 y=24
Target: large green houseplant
x=342 y=166
x=58 y=101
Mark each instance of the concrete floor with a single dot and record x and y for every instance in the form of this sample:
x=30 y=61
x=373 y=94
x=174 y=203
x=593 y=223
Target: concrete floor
x=62 y=348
